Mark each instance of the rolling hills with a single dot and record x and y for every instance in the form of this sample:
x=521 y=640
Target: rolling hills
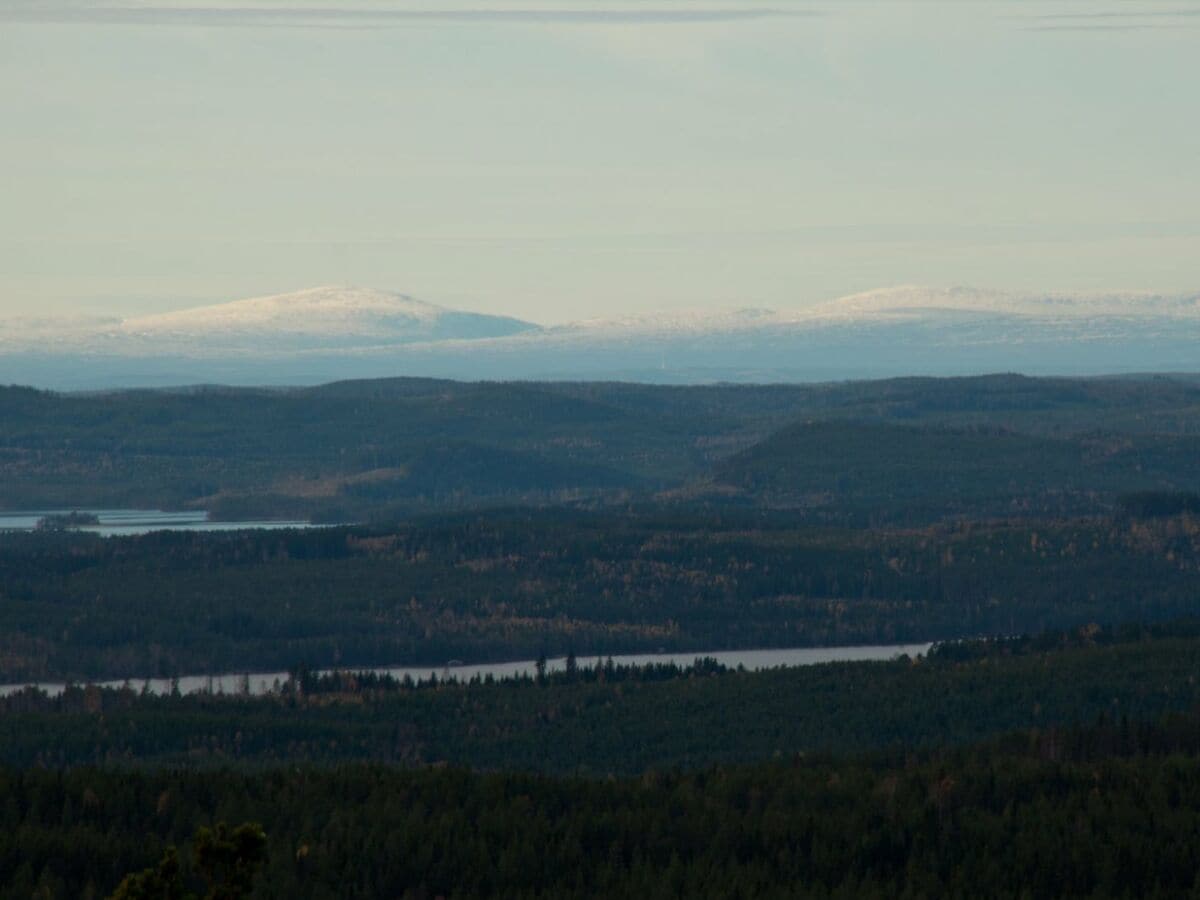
x=898 y=450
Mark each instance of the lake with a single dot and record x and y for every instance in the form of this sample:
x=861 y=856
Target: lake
x=115 y=522
x=753 y=660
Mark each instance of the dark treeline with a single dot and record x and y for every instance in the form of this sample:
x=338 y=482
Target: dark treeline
x=514 y=584
x=617 y=720
x=305 y=681
x=1108 y=810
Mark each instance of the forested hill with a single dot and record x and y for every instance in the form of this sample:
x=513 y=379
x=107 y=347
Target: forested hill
x=512 y=584
x=377 y=449
x=919 y=472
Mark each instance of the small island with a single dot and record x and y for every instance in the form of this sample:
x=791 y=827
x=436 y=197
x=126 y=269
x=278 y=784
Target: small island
x=63 y=521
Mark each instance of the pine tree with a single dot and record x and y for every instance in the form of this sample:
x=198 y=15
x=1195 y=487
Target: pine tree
x=227 y=861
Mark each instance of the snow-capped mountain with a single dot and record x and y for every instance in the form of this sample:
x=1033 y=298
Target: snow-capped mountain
x=317 y=318
x=906 y=303
x=329 y=333
x=911 y=300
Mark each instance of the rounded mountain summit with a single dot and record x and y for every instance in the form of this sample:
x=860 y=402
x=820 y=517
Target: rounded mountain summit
x=321 y=318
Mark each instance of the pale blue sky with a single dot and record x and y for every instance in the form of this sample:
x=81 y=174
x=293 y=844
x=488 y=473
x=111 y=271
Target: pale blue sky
x=595 y=158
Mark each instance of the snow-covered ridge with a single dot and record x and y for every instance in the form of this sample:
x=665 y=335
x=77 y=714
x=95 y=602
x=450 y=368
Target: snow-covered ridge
x=363 y=320
x=317 y=312
x=903 y=303
x=907 y=299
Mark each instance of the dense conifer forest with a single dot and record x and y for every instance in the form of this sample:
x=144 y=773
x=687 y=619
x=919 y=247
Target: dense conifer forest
x=515 y=521
x=1106 y=810
x=511 y=585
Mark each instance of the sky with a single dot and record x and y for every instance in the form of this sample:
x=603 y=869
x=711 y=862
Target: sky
x=568 y=160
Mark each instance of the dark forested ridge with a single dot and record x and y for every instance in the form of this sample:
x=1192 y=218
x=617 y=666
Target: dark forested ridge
x=916 y=473
x=343 y=449
x=511 y=585
x=377 y=449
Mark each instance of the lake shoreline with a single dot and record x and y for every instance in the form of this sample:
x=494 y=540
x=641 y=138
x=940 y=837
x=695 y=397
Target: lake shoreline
x=261 y=683
x=132 y=522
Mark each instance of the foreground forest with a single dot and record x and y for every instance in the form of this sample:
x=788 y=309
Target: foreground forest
x=1086 y=804
x=1114 y=813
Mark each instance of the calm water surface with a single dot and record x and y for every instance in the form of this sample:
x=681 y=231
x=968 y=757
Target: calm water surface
x=753 y=660
x=138 y=521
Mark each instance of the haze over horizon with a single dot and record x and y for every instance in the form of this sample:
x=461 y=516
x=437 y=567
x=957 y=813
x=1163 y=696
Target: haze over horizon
x=334 y=333
x=566 y=161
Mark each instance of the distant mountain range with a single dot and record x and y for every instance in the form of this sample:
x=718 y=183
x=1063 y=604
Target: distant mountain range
x=328 y=333
x=324 y=318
